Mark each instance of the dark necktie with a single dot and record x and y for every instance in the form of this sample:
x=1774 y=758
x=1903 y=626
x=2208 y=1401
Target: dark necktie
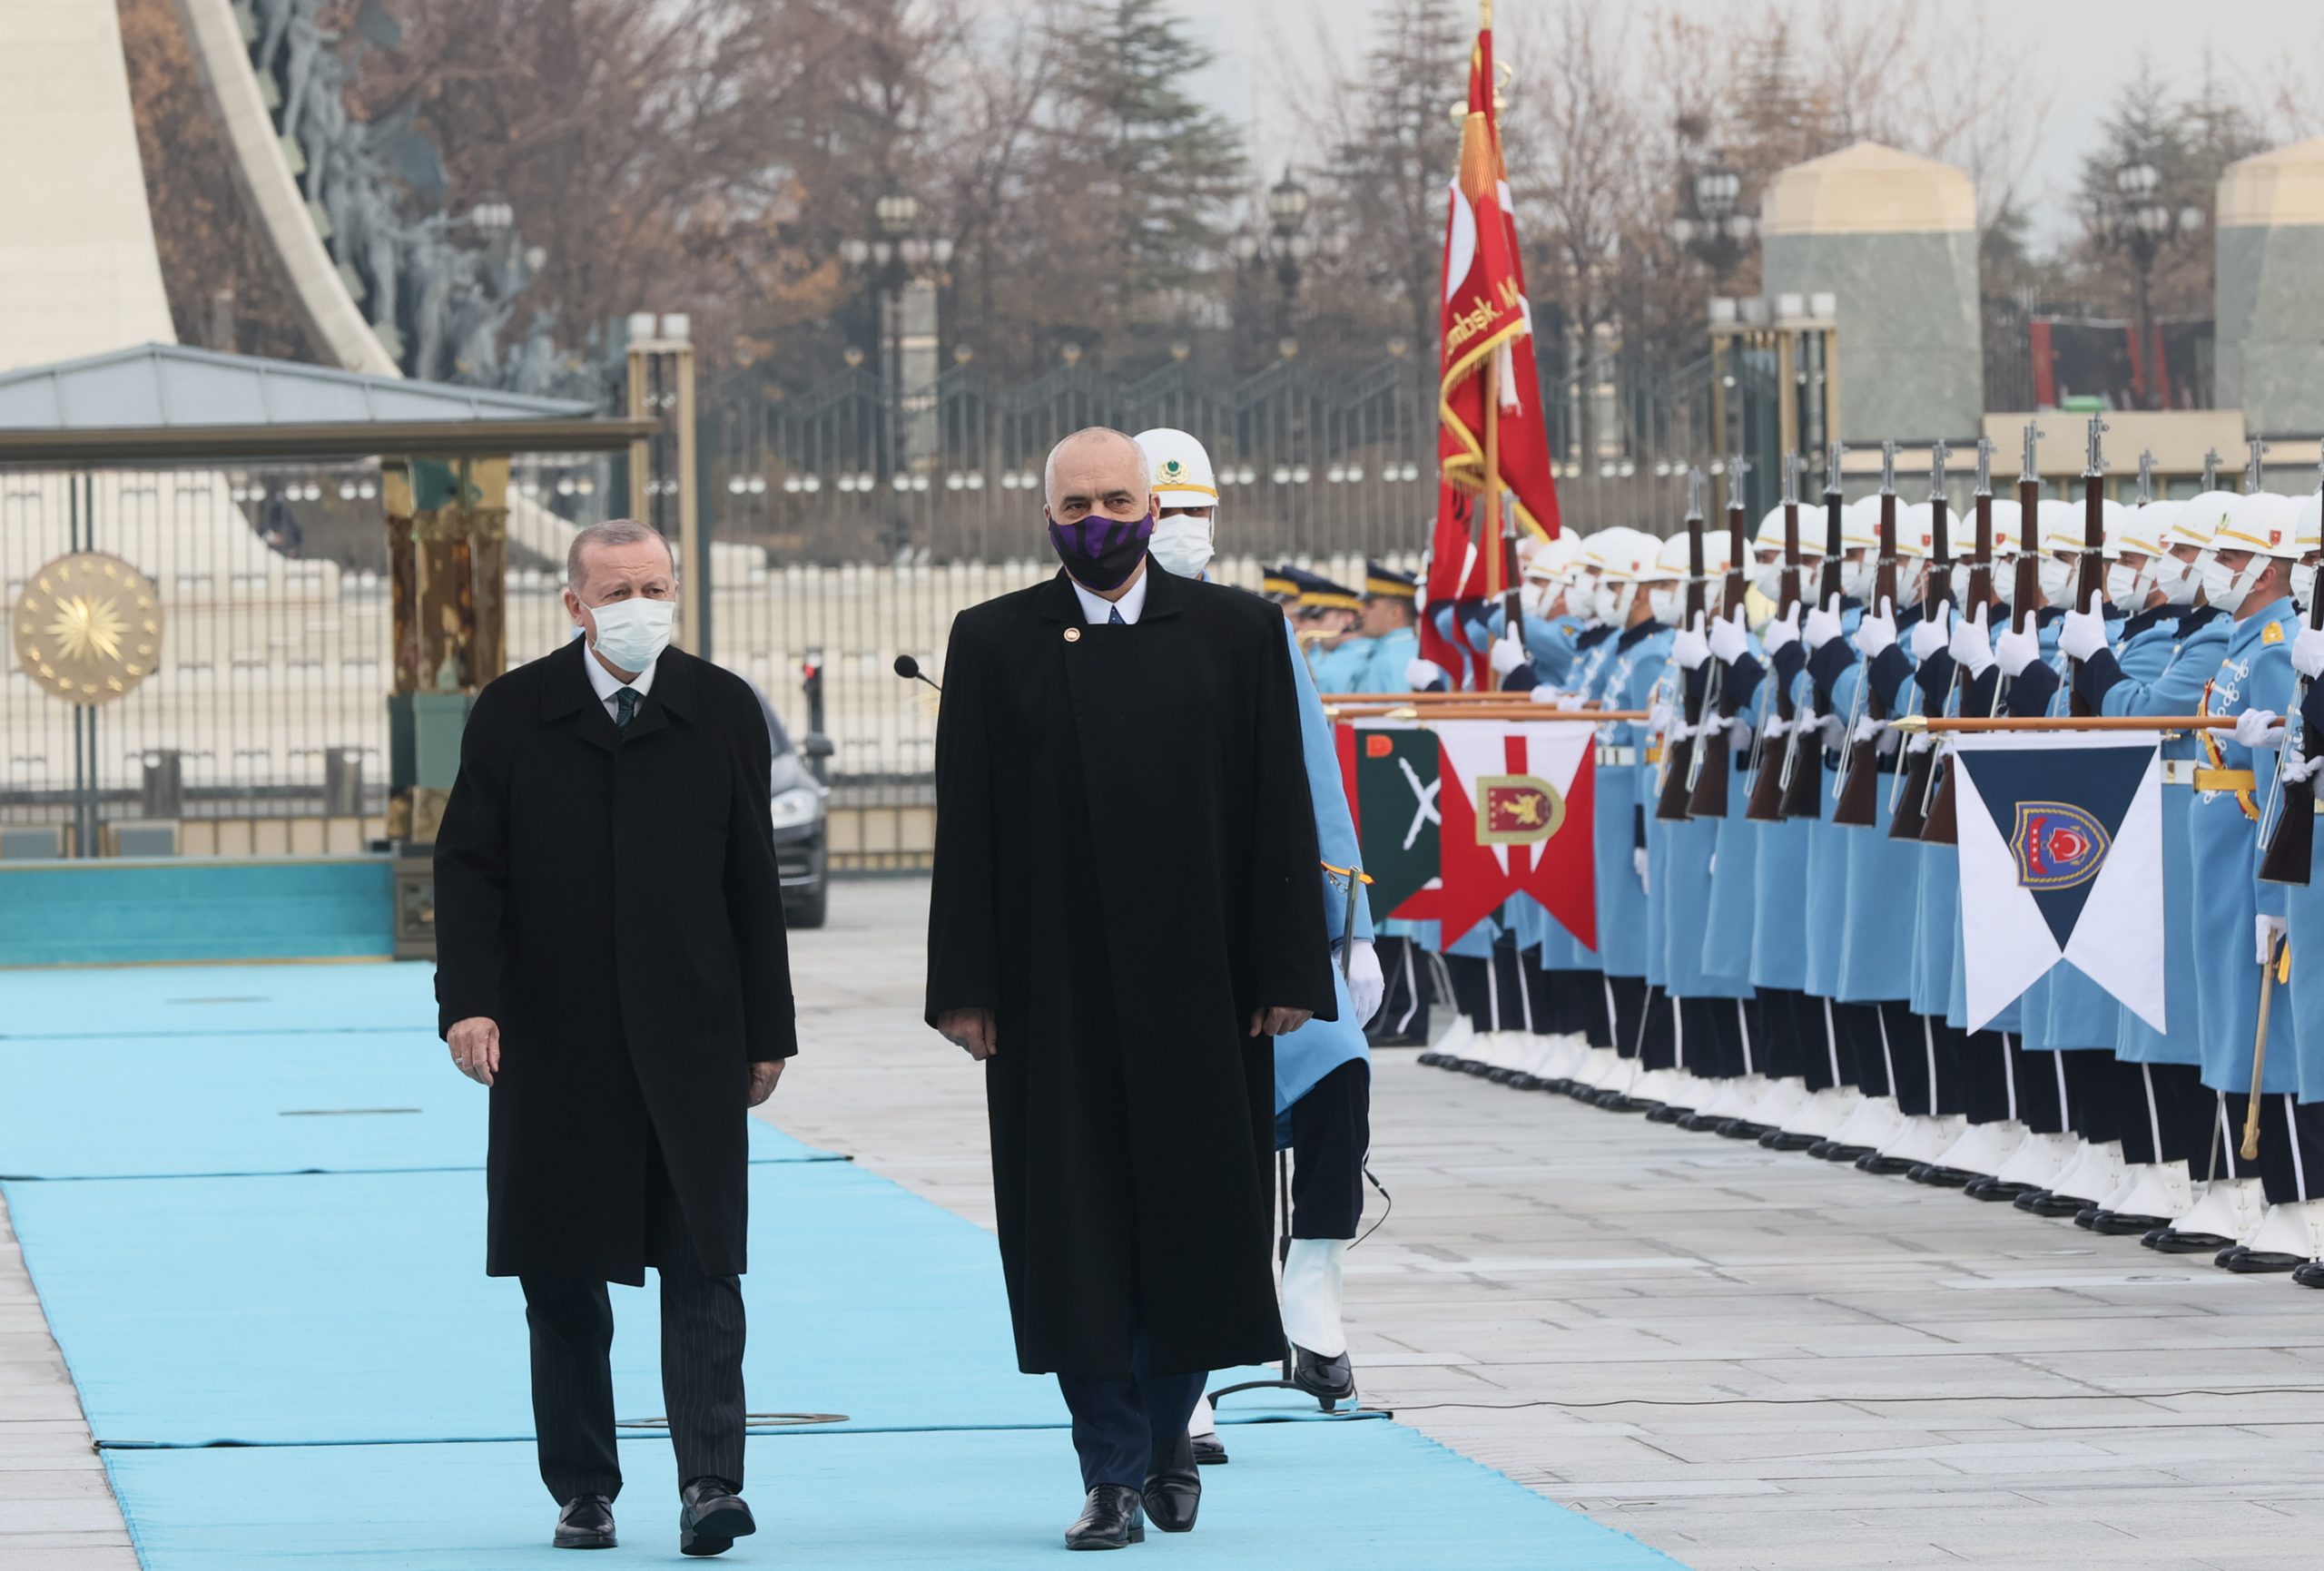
x=1114 y=618
x=624 y=707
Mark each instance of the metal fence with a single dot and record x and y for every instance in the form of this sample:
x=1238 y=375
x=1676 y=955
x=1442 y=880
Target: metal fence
x=269 y=701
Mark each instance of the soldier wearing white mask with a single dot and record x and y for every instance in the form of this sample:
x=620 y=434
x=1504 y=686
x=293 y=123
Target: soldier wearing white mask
x=1323 y=1069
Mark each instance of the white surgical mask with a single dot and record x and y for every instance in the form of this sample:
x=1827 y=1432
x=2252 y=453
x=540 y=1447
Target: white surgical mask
x=1613 y=605
x=2056 y=579
x=1534 y=598
x=1183 y=545
x=2223 y=586
x=1958 y=577
x=1767 y=579
x=2303 y=584
x=2178 y=580
x=1857 y=579
x=632 y=633
x=2126 y=585
x=1662 y=602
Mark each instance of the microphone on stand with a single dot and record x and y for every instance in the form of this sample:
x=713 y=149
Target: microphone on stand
x=909 y=669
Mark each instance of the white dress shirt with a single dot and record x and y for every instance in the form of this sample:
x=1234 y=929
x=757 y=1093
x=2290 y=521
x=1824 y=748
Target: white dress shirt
x=607 y=684
x=1099 y=612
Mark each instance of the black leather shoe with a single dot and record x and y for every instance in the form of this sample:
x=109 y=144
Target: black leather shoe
x=1623 y=1101
x=1937 y=1177
x=2088 y=1217
x=1433 y=1058
x=1997 y=1191
x=1113 y=1517
x=1885 y=1166
x=1210 y=1451
x=2311 y=1275
x=2245 y=1261
x=2170 y=1241
x=1835 y=1151
x=1173 y=1488
x=2049 y=1202
x=1477 y=1066
x=1785 y=1140
x=1499 y=1075
x=1743 y=1129
x=1695 y=1123
x=1327 y=1379
x=712 y=1518
x=1668 y=1112
x=1523 y=1083
x=585 y=1523
x=2126 y=1225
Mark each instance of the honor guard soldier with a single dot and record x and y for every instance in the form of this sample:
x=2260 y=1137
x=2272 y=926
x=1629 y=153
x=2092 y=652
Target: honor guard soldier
x=1323 y=1070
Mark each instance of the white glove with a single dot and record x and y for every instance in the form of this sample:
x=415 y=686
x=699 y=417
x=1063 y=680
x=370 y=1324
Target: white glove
x=1546 y=695
x=2266 y=932
x=1365 y=985
x=1637 y=860
x=2307 y=653
x=1690 y=648
x=2256 y=728
x=1867 y=728
x=1508 y=653
x=1972 y=644
x=1832 y=727
x=1930 y=635
x=1739 y=727
x=1658 y=718
x=1823 y=626
x=1420 y=599
x=2082 y=634
x=2016 y=651
x=1729 y=641
x=2299 y=767
x=1421 y=675
x=1781 y=633
x=1571 y=701
x=1876 y=634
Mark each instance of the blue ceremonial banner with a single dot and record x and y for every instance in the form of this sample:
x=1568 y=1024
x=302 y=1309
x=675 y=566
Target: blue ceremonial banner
x=2060 y=859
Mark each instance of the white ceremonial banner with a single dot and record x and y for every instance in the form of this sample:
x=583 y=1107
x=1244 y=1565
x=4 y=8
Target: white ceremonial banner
x=2061 y=840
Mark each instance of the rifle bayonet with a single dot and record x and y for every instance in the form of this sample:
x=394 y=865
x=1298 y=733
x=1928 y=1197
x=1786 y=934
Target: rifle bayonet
x=1832 y=457
x=2097 y=462
x=1985 y=465
x=1888 y=466
x=1937 y=454
x=2031 y=473
x=1694 y=494
x=1738 y=466
x=2146 y=477
x=2211 y=468
x=1791 y=479
x=2252 y=468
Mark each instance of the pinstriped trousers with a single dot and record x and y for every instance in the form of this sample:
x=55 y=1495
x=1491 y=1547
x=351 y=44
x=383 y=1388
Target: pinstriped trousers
x=572 y=1323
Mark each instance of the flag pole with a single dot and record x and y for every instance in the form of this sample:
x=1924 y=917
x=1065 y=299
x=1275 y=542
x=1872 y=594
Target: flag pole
x=1489 y=516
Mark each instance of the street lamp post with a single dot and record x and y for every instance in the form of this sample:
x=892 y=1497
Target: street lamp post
x=2139 y=217
x=1286 y=242
x=1713 y=231
x=901 y=260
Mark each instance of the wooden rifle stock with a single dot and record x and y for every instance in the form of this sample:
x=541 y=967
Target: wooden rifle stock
x=2090 y=583
x=1766 y=805
x=1709 y=799
x=1678 y=754
x=1803 y=796
x=1858 y=806
x=2290 y=856
x=1943 y=827
x=1915 y=768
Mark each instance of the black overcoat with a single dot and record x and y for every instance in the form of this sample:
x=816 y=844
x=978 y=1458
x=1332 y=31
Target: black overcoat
x=1126 y=869
x=611 y=899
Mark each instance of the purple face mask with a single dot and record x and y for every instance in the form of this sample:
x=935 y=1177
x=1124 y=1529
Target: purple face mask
x=1101 y=551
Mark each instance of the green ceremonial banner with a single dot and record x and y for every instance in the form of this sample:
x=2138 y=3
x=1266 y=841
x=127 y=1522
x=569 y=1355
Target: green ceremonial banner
x=1393 y=791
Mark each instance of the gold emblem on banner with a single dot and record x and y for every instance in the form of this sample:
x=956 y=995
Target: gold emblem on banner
x=88 y=628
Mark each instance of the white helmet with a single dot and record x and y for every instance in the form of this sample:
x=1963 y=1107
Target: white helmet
x=2198 y=518
x=2143 y=531
x=1626 y=559
x=1179 y=473
x=2263 y=524
x=2307 y=531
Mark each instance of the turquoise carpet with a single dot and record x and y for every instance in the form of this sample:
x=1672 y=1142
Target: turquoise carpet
x=269 y=1290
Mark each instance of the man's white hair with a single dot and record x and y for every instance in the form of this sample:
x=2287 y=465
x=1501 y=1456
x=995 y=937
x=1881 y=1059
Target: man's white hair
x=612 y=532
x=1049 y=468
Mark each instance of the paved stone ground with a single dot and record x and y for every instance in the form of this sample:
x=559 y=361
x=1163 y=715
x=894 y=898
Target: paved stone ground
x=1749 y=1359
x=56 y=1510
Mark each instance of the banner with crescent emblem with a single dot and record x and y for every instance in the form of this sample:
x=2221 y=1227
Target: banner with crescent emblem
x=2062 y=864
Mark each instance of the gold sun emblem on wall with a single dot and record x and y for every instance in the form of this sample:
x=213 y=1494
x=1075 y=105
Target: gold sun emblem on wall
x=88 y=628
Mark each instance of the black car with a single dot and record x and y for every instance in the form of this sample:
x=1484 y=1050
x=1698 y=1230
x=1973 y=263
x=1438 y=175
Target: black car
x=802 y=846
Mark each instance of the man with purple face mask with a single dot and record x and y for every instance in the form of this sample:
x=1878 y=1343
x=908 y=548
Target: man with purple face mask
x=1122 y=920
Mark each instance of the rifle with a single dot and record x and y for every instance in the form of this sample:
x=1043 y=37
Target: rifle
x=1940 y=824
x=2211 y=468
x=2290 y=856
x=1765 y=804
x=1707 y=793
x=1679 y=754
x=2090 y=580
x=1857 y=794
x=2028 y=587
x=1803 y=761
x=1909 y=804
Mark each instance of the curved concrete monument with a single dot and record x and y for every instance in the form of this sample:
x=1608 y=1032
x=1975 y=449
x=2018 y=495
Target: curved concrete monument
x=78 y=271
x=1894 y=238
x=2271 y=269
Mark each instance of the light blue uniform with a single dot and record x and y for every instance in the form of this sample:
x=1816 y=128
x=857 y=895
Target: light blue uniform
x=1883 y=874
x=2255 y=673
x=1734 y=870
x=1638 y=657
x=2191 y=659
x=1827 y=848
x=1342 y=670
x=2304 y=916
x=1392 y=654
x=1320 y=1047
x=1679 y=892
x=1549 y=640
x=1779 y=886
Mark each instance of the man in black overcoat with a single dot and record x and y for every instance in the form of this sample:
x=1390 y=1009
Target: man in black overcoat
x=1124 y=915
x=611 y=963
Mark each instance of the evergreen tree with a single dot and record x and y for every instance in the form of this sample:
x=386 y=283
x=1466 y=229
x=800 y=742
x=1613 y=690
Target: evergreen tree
x=1147 y=175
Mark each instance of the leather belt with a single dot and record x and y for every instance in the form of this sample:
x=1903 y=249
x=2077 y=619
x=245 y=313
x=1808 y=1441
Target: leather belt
x=2225 y=779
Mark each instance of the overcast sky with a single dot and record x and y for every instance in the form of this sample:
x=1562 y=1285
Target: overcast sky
x=2092 y=45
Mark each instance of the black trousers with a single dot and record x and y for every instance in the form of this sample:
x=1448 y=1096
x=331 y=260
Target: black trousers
x=1119 y=1424
x=572 y=1324
x=1404 y=1008
x=1331 y=1131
